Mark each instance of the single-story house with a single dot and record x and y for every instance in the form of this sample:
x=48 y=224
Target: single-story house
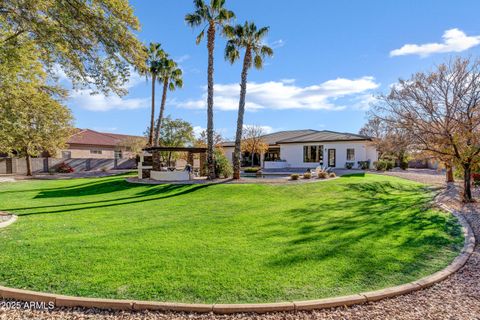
x=90 y=144
x=309 y=149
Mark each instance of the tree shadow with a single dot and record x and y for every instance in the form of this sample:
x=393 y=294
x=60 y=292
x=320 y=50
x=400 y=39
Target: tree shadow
x=377 y=212
x=152 y=193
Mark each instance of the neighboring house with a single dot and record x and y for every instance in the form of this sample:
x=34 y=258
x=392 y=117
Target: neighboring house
x=309 y=149
x=87 y=150
x=90 y=144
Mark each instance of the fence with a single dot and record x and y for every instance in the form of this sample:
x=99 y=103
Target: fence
x=43 y=165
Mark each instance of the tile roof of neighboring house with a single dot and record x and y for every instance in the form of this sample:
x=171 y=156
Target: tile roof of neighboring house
x=308 y=135
x=91 y=137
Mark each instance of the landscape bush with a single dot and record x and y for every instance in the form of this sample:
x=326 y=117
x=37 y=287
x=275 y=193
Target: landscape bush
x=364 y=165
x=65 y=168
x=332 y=175
x=384 y=165
x=251 y=170
x=476 y=179
x=223 y=168
x=322 y=175
x=307 y=175
x=294 y=176
x=404 y=165
x=349 y=165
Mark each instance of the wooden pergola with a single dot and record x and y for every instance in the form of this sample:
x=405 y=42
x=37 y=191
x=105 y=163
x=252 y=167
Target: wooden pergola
x=156 y=160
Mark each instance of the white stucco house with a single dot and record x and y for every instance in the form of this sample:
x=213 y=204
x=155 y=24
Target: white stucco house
x=309 y=149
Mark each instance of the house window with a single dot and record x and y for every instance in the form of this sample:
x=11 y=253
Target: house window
x=118 y=154
x=95 y=151
x=350 y=154
x=312 y=153
x=66 y=154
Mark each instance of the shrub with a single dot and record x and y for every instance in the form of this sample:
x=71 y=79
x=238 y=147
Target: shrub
x=223 y=168
x=364 y=165
x=322 y=174
x=251 y=170
x=307 y=175
x=332 y=175
x=349 y=165
x=390 y=164
x=64 y=168
x=294 y=176
x=476 y=179
x=404 y=165
x=380 y=165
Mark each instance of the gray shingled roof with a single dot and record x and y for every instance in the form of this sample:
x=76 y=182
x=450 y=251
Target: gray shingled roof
x=326 y=136
x=308 y=135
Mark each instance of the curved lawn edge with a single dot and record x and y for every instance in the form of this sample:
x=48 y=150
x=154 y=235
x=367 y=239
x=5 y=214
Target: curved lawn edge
x=360 y=298
x=12 y=219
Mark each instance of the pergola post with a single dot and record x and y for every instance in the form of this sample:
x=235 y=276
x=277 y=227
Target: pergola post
x=203 y=160
x=190 y=158
x=156 y=161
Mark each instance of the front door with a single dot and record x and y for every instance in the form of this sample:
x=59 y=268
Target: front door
x=331 y=158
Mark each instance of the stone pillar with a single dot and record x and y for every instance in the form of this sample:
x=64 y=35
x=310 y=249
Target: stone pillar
x=156 y=161
x=203 y=161
x=190 y=159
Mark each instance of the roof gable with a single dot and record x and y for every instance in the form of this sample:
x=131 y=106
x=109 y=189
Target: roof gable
x=91 y=137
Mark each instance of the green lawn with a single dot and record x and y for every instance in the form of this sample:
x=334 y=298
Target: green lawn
x=222 y=243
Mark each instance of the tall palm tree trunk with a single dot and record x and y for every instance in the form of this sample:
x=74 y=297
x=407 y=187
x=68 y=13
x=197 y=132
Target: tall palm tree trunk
x=152 y=115
x=162 y=109
x=241 y=111
x=211 y=47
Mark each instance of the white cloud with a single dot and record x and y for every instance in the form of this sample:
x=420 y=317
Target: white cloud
x=84 y=98
x=277 y=44
x=283 y=95
x=99 y=102
x=197 y=130
x=183 y=58
x=454 y=40
x=364 y=102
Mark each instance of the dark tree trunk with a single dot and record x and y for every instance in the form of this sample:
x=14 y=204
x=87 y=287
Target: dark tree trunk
x=29 y=165
x=467 y=184
x=241 y=111
x=162 y=109
x=211 y=48
x=152 y=115
x=449 y=173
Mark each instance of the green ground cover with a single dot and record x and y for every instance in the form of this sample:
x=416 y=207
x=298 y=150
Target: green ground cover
x=225 y=243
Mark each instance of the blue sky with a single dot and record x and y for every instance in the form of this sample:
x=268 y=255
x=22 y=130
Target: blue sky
x=330 y=59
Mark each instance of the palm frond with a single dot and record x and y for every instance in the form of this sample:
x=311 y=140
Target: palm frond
x=194 y=19
x=266 y=51
x=258 y=62
x=231 y=52
x=200 y=37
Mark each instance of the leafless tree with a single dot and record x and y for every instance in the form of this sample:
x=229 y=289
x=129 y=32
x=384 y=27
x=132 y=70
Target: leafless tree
x=252 y=140
x=441 y=111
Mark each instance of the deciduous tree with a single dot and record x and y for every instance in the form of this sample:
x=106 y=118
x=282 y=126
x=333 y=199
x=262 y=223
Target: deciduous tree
x=252 y=140
x=441 y=111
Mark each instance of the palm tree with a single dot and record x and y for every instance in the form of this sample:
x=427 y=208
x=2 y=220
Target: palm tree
x=249 y=38
x=155 y=54
x=171 y=76
x=211 y=16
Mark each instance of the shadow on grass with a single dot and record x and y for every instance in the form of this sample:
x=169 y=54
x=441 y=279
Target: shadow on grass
x=152 y=193
x=376 y=214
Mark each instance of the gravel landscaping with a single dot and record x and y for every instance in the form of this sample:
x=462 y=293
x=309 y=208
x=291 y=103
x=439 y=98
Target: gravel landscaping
x=458 y=297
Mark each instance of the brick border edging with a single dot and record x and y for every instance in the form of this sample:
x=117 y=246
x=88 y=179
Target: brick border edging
x=133 y=305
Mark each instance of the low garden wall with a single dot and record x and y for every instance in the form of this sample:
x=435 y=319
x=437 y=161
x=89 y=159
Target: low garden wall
x=43 y=165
